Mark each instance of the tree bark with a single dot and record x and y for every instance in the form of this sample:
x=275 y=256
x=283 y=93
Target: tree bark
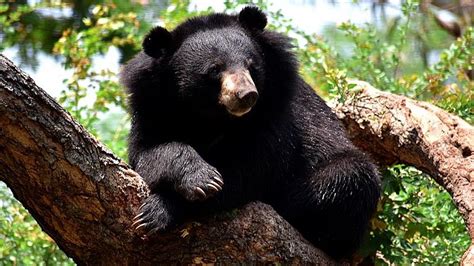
x=84 y=197
x=395 y=129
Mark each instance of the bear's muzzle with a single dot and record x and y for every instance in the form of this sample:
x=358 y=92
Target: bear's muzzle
x=238 y=92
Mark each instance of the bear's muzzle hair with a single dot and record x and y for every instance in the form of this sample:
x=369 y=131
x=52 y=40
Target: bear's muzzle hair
x=238 y=92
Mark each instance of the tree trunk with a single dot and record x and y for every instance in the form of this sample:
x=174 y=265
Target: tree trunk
x=84 y=197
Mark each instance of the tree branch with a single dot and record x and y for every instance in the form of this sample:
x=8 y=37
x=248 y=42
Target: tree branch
x=395 y=129
x=84 y=197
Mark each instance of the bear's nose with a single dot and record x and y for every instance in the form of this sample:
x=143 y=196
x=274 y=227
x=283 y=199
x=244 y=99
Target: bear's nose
x=248 y=97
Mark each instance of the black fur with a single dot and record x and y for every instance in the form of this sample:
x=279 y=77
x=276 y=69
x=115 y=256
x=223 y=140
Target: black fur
x=156 y=42
x=289 y=151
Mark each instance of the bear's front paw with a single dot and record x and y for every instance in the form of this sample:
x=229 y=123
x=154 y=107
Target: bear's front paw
x=201 y=183
x=154 y=216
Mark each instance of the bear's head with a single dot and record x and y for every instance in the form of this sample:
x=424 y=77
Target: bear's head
x=215 y=61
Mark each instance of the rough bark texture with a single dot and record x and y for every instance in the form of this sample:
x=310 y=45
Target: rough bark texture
x=395 y=129
x=84 y=197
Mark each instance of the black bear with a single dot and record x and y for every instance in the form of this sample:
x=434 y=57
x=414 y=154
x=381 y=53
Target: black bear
x=220 y=117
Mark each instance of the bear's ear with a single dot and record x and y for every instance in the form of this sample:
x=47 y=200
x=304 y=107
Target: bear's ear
x=157 y=41
x=252 y=18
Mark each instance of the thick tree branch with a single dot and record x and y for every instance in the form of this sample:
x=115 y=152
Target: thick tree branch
x=395 y=129
x=84 y=197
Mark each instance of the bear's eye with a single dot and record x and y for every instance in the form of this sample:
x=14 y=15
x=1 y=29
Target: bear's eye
x=214 y=69
x=251 y=66
x=248 y=63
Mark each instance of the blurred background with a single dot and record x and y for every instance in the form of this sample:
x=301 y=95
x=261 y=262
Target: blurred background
x=419 y=48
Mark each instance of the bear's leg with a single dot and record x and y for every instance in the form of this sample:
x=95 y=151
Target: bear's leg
x=177 y=166
x=167 y=169
x=333 y=205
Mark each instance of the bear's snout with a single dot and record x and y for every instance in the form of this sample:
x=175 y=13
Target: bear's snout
x=238 y=92
x=248 y=98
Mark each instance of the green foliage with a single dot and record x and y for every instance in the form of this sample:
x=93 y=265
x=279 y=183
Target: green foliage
x=21 y=240
x=105 y=28
x=8 y=18
x=448 y=83
x=416 y=221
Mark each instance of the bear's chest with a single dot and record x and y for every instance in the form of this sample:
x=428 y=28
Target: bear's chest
x=254 y=159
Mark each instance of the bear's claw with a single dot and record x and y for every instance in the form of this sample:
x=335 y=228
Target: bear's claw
x=218 y=177
x=201 y=192
x=214 y=187
x=141 y=225
x=136 y=220
x=200 y=183
x=154 y=216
